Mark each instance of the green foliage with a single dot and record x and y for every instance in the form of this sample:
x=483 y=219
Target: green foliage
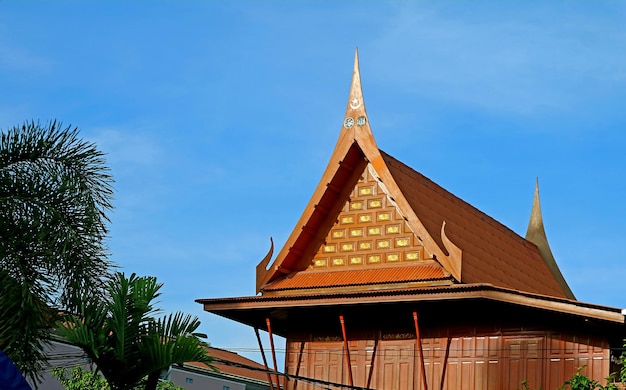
x=582 y=382
x=78 y=378
x=579 y=381
x=55 y=190
x=123 y=338
x=167 y=385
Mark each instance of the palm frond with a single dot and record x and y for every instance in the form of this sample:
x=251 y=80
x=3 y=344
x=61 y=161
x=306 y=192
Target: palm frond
x=126 y=341
x=55 y=191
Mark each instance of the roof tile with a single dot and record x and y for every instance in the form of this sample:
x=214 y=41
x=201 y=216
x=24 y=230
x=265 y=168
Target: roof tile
x=492 y=253
x=222 y=355
x=381 y=275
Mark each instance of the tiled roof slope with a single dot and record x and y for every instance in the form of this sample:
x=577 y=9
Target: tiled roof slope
x=238 y=369
x=492 y=253
x=361 y=277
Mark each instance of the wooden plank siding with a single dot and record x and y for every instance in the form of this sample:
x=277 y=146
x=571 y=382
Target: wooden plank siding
x=465 y=362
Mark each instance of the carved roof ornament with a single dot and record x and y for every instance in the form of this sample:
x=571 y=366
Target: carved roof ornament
x=536 y=234
x=355 y=112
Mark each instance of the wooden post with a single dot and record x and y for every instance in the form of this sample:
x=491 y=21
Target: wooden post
x=295 y=382
x=445 y=361
x=346 y=349
x=269 y=330
x=269 y=376
x=421 y=351
x=369 y=376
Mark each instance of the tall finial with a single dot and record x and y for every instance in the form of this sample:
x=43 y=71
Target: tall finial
x=536 y=234
x=535 y=225
x=356 y=117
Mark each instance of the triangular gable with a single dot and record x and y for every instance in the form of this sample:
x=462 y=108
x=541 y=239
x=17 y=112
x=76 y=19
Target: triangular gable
x=456 y=242
x=370 y=243
x=355 y=151
x=369 y=231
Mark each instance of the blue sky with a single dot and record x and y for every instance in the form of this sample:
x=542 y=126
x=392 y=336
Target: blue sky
x=218 y=119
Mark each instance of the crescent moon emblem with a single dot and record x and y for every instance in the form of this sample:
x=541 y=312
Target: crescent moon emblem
x=355 y=103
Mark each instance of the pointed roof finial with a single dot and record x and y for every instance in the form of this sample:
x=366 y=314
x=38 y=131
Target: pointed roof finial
x=355 y=117
x=535 y=225
x=536 y=234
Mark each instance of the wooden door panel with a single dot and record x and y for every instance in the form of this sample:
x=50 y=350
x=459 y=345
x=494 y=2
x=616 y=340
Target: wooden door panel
x=396 y=365
x=523 y=361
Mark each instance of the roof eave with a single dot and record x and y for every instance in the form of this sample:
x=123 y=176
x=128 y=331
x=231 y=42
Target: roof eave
x=454 y=292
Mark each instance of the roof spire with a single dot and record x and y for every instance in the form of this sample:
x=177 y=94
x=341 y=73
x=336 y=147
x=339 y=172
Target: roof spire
x=535 y=225
x=355 y=117
x=536 y=234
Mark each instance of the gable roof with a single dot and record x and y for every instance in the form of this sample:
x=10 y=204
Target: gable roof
x=460 y=243
x=233 y=365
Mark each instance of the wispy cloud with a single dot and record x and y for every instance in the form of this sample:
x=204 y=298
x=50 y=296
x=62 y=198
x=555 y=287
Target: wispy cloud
x=510 y=60
x=124 y=146
x=20 y=59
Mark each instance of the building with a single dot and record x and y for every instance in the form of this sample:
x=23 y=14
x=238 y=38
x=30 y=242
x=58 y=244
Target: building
x=389 y=281
x=234 y=372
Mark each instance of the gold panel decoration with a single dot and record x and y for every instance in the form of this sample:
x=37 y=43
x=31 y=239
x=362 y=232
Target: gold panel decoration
x=320 y=262
x=356 y=206
x=373 y=259
x=356 y=260
x=369 y=232
x=365 y=191
x=393 y=229
x=402 y=242
x=393 y=257
x=384 y=216
x=356 y=233
x=347 y=219
x=412 y=255
x=375 y=204
x=339 y=233
x=373 y=231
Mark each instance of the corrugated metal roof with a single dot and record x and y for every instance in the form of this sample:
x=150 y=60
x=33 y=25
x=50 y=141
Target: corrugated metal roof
x=355 y=277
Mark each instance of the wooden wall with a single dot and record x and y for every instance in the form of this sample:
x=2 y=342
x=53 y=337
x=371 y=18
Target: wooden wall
x=476 y=361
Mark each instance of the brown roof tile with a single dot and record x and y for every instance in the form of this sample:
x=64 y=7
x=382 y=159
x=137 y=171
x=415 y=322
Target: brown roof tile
x=222 y=355
x=382 y=275
x=492 y=253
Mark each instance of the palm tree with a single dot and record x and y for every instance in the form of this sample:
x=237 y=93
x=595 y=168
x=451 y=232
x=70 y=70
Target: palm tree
x=55 y=190
x=126 y=342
